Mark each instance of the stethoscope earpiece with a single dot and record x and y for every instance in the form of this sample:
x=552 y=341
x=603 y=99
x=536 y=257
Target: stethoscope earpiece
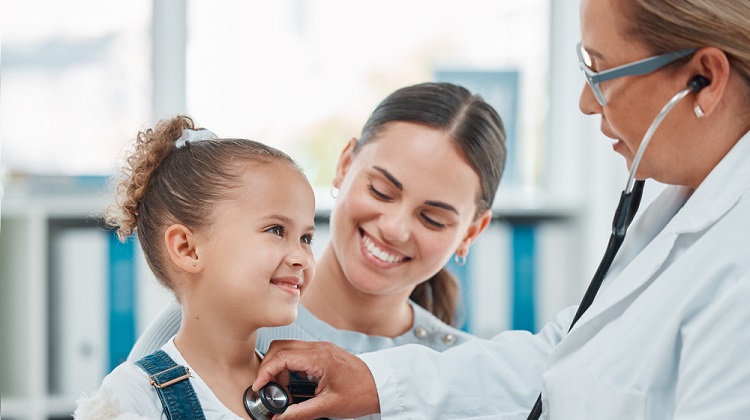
x=269 y=400
x=698 y=83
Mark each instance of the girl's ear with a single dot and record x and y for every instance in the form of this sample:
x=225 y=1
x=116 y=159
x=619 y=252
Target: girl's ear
x=475 y=229
x=345 y=161
x=181 y=246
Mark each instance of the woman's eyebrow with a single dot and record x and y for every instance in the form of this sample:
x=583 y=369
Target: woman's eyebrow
x=441 y=205
x=400 y=187
x=390 y=177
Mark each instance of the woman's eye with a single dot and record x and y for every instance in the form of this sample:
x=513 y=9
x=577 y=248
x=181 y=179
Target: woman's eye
x=306 y=239
x=276 y=230
x=432 y=222
x=378 y=194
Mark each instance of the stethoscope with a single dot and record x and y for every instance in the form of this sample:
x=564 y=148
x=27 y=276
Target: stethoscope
x=274 y=398
x=630 y=199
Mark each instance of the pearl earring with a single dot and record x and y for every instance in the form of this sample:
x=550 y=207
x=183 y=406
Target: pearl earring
x=698 y=111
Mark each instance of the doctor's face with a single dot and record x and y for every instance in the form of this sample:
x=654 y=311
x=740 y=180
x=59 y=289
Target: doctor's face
x=407 y=200
x=632 y=101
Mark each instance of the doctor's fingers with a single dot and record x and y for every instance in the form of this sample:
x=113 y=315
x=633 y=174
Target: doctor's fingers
x=329 y=405
x=345 y=387
x=283 y=356
x=342 y=395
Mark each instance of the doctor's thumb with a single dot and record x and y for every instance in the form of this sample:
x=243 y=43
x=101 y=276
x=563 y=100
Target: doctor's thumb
x=303 y=411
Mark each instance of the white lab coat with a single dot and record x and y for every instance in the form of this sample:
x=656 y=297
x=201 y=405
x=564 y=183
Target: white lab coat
x=668 y=336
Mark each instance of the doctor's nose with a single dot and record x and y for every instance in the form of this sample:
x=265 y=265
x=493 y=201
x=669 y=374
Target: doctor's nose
x=587 y=102
x=395 y=226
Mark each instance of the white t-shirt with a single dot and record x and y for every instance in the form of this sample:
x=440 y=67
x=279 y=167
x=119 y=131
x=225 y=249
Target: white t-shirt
x=127 y=394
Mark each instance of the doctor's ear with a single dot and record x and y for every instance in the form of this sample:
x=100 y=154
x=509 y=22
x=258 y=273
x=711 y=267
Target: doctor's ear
x=712 y=64
x=345 y=161
x=182 y=248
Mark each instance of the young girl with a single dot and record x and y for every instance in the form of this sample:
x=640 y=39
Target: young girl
x=226 y=224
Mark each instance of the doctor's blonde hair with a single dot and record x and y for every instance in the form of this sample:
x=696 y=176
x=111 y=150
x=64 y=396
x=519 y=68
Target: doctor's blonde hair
x=672 y=25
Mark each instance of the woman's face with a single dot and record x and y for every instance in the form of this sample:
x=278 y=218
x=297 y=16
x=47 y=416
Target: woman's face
x=406 y=202
x=633 y=101
x=256 y=254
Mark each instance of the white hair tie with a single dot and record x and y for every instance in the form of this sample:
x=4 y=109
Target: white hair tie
x=194 y=136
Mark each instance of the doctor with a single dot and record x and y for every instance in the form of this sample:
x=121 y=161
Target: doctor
x=668 y=335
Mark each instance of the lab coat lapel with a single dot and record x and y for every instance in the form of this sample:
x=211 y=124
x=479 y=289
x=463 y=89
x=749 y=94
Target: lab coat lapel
x=647 y=245
x=653 y=235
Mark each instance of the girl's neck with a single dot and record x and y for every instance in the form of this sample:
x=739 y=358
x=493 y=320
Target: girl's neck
x=335 y=301
x=227 y=364
x=216 y=352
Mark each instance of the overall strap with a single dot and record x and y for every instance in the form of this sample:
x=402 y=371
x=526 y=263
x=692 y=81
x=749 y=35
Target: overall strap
x=170 y=381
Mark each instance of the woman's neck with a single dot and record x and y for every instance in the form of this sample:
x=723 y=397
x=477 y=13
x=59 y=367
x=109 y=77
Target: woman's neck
x=335 y=301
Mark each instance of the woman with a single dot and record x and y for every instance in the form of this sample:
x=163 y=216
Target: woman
x=667 y=335
x=399 y=217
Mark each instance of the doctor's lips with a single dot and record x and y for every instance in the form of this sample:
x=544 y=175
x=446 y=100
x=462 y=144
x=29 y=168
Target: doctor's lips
x=379 y=253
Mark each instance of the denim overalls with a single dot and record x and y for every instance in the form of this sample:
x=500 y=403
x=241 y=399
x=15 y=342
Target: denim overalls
x=171 y=382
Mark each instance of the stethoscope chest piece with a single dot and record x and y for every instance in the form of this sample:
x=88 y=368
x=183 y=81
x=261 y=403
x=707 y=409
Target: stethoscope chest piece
x=271 y=399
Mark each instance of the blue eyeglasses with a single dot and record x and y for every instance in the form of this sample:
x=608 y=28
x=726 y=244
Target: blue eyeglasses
x=636 y=68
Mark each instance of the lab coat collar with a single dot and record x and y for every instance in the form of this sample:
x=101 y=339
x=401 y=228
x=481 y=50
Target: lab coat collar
x=719 y=192
x=652 y=236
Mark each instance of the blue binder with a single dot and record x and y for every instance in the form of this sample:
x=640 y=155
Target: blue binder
x=122 y=299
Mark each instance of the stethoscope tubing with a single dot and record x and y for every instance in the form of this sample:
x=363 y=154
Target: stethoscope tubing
x=650 y=133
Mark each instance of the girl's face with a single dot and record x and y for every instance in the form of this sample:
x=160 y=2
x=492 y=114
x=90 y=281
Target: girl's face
x=634 y=101
x=406 y=202
x=257 y=253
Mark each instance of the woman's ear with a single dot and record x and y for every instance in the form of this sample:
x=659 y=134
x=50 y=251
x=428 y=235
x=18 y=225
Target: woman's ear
x=345 y=160
x=181 y=246
x=475 y=229
x=713 y=64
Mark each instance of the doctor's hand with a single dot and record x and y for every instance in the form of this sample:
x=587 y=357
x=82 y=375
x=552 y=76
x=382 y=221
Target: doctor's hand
x=345 y=388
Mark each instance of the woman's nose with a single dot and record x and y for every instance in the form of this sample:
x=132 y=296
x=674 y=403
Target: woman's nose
x=395 y=226
x=587 y=102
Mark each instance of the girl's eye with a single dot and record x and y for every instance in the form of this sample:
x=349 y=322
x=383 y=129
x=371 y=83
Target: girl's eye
x=307 y=239
x=378 y=194
x=433 y=223
x=276 y=230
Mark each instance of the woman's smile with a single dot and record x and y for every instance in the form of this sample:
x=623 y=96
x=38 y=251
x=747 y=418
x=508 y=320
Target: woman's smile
x=378 y=253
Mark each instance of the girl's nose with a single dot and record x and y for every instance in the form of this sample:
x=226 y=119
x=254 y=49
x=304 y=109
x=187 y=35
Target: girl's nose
x=300 y=258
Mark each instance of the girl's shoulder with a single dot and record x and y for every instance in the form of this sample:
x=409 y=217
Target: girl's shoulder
x=125 y=394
